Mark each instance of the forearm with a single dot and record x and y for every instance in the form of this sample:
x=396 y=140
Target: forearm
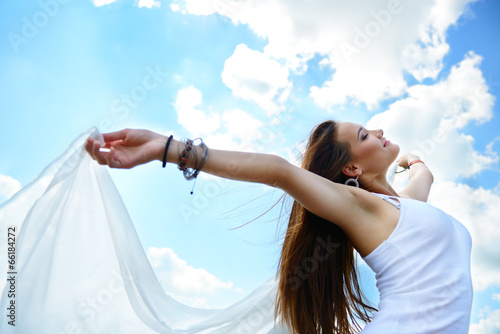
x=242 y=166
x=421 y=172
x=420 y=182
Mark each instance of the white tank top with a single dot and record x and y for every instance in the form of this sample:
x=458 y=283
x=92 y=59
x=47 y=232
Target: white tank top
x=423 y=273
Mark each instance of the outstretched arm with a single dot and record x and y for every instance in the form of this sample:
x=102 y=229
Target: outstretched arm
x=420 y=179
x=129 y=148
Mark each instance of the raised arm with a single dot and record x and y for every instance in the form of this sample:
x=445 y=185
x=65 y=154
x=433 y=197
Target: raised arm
x=420 y=179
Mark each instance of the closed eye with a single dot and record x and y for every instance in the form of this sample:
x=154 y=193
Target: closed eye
x=364 y=137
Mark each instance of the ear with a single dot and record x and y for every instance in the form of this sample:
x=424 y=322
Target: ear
x=351 y=170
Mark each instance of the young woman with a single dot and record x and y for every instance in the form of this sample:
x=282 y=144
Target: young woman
x=343 y=202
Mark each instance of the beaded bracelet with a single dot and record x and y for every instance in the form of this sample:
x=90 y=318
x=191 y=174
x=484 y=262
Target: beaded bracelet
x=185 y=154
x=192 y=173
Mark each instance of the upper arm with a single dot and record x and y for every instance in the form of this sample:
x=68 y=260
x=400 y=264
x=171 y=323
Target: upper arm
x=343 y=205
x=419 y=185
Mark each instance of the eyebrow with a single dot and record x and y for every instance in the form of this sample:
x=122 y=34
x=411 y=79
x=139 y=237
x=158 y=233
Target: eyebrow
x=359 y=131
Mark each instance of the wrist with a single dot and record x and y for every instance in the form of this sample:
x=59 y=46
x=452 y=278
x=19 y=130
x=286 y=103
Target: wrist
x=159 y=149
x=172 y=152
x=415 y=161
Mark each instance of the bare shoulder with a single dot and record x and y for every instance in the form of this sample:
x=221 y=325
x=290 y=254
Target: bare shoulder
x=376 y=220
x=369 y=204
x=367 y=200
x=363 y=216
x=365 y=208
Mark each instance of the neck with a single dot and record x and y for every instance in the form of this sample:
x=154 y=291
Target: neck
x=378 y=184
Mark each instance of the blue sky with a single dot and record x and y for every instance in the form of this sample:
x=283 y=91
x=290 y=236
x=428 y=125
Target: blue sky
x=256 y=75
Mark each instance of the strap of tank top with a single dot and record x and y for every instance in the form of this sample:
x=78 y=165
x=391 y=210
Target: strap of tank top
x=391 y=199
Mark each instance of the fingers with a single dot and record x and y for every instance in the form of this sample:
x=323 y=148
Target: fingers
x=93 y=148
x=113 y=136
x=109 y=157
x=88 y=146
x=402 y=161
x=405 y=159
x=108 y=138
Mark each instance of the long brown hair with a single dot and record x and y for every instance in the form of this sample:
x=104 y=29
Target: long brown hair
x=318 y=283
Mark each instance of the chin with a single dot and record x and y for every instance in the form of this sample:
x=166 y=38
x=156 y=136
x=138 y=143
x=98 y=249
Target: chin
x=395 y=149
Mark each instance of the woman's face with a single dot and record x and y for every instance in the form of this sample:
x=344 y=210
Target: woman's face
x=371 y=151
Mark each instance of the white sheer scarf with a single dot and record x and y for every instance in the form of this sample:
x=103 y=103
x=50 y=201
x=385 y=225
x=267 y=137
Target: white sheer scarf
x=80 y=268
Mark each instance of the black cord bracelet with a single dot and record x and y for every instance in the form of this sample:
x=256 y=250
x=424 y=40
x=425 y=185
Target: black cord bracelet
x=166 y=150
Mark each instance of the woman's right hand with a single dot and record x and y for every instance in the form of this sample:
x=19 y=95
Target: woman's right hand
x=127 y=148
x=405 y=159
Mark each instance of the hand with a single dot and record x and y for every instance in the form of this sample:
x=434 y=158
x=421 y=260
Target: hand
x=405 y=159
x=127 y=148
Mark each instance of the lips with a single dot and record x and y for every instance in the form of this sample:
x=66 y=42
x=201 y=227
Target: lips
x=386 y=143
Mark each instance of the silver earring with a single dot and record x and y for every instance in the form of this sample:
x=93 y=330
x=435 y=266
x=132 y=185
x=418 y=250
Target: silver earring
x=355 y=181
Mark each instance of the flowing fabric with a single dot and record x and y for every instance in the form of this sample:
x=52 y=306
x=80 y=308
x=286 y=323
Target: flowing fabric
x=79 y=267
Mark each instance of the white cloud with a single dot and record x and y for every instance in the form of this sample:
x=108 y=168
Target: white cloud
x=424 y=57
x=201 y=7
x=496 y=296
x=254 y=76
x=242 y=132
x=9 y=186
x=222 y=141
x=100 y=3
x=175 y=7
x=446 y=13
x=490 y=147
x=425 y=60
x=362 y=41
x=242 y=125
x=428 y=121
x=148 y=4
x=490 y=325
x=192 y=119
x=229 y=130
x=177 y=276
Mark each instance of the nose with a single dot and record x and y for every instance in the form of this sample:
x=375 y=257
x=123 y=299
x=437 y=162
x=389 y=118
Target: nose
x=380 y=133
